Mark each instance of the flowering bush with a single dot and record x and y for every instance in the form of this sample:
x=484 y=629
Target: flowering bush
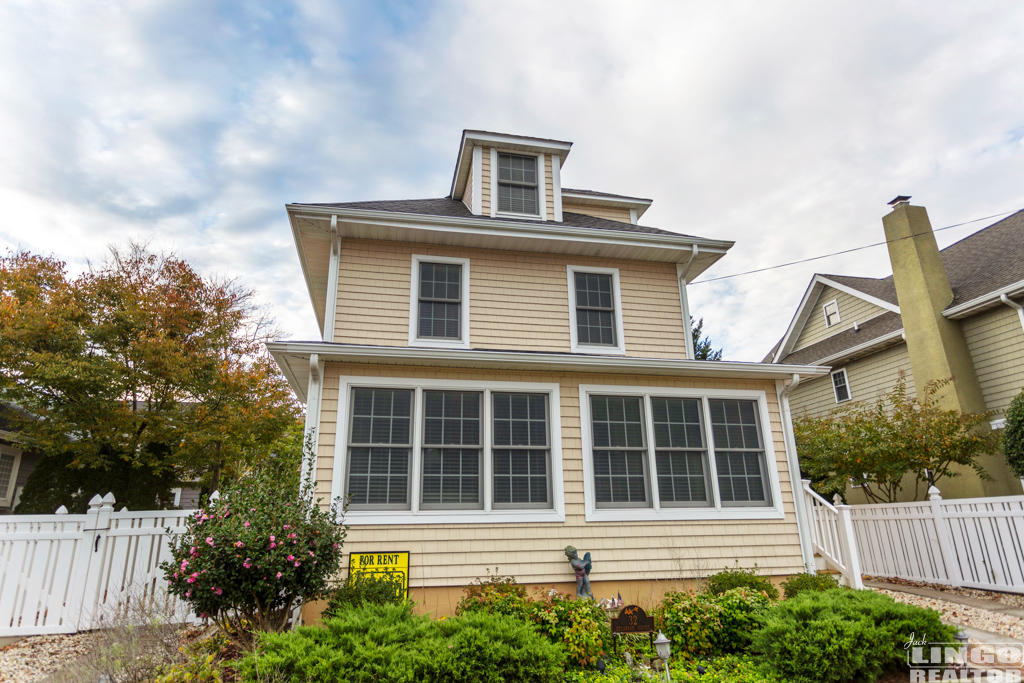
x=247 y=559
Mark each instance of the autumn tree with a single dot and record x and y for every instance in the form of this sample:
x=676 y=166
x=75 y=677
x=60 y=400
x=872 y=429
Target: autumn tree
x=133 y=377
x=899 y=443
x=702 y=349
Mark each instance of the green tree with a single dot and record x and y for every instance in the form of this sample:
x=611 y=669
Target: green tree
x=1013 y=435
x=702 y=349
x=895 y=444
x=140 y=373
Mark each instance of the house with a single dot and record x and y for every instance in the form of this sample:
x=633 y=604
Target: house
x=955 y=313
x=15 y=463
x=507 y=370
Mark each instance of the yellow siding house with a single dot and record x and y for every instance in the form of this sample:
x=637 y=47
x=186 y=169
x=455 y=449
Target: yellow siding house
x=509 y=370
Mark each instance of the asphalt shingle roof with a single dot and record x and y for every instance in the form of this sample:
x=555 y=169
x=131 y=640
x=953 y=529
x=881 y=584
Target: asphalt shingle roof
x=979 y=264
x=444 y=206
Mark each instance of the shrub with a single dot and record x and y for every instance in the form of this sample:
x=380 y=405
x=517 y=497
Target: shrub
x=1013 y=435
x=740 y=578
x=360 y=589
x=389 y=643
x=799 y=583
x=842 y=635
x=496 y=595
x=580 y=626
x=724 y=669
x=704 y=623
x=248 y=558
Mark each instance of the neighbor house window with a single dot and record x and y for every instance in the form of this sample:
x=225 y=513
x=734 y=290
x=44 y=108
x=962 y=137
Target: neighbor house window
x=595 y=316
x=9 y=460
x=831 y=310
x=455 y=448
x=652 y=450
x=439 y=301
x=841 y=385
x=517 y=183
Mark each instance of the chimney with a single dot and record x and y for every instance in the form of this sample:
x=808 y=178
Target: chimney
x=936 y=344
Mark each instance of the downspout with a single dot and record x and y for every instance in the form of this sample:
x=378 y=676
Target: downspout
x=331 y=303
x=311 y=432
x=789 y=439
x=1013 y=304
x=682 y=271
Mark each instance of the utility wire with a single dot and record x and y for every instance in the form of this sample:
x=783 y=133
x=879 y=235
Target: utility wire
x=847 y=251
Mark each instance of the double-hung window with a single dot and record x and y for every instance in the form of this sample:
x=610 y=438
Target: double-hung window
x=841 y=385
x=439 y=302
x=675 y=454
x=448 y=450
x=595 y=310
x=517 y=184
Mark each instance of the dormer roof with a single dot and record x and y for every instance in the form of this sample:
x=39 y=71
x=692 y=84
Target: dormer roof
x=515 y=143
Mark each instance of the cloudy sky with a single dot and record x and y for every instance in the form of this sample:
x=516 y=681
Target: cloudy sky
x=783 y=126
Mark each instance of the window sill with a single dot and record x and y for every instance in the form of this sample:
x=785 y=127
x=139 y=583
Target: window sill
x=681 y=514
x=403 y=517
x=509 y=214
x=440 y=343
x=599 y=350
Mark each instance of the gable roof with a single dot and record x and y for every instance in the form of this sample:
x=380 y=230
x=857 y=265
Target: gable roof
x=445 y=206
x=978 y=266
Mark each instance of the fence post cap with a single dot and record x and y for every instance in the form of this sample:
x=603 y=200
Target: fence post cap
x=109 y=500
x=933 y=493
x=215 y=495
x=61 y=511
x=95 y=501
x=837 y=499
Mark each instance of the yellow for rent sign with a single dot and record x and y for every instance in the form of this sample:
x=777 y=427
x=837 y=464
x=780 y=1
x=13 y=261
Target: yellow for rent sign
x=394 y=565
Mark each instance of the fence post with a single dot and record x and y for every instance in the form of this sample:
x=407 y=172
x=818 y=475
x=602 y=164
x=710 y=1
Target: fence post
x=947 y=552
x=848 y=547
x=92 y=552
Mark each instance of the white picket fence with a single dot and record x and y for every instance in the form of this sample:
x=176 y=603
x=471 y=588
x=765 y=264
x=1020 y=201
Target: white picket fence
x=969 y=542
x=62 y=573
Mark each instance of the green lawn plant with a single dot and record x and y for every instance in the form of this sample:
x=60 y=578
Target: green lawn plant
x=798 y=583
x=365 y=588
x=740 y=578
x=248 y=558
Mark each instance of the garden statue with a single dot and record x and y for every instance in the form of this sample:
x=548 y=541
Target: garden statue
x=582 y=570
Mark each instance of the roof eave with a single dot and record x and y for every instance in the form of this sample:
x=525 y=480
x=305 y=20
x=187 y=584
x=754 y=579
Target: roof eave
x=984 y=301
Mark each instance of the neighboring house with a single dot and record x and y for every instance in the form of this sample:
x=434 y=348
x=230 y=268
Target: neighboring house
x=15 y=463
x=955 y=313
x=507 y=370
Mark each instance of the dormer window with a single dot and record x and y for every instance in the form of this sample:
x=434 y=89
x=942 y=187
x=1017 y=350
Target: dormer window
x=831 y=310
x=517 y=184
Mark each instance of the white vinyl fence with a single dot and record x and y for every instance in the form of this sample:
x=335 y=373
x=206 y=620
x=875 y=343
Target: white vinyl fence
x=970 y=542
x=62 y=573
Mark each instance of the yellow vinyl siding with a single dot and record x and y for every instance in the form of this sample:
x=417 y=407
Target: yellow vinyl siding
x=467 y=194
x=548 y=189
x=518 y=300
x=485 y=181
x=612 y=213
x=851 y=310
x=867 y=377
x=455 y=554
x=996 y=343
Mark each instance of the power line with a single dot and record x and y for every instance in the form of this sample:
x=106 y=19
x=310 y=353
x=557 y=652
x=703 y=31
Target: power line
x=847 y=251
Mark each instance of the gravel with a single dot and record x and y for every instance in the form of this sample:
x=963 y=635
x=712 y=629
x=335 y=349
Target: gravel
x=964 y=615
x=33 y=658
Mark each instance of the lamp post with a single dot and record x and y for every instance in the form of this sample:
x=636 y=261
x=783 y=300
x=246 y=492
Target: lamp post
x=662 y=646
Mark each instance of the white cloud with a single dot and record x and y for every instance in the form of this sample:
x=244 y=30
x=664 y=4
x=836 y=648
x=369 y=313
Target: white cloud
x=783 y=126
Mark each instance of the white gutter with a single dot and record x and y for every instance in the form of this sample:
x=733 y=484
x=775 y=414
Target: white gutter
x=795 y=482
x=684 y=302
x=968 y=307
x=1013 y=304
x=362 y=353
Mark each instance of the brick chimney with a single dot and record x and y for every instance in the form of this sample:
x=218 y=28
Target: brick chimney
x=935 y=343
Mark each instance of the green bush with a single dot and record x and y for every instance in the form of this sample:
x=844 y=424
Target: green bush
x=704 y=623
x=581 y=627
x=1013 y=435
x=798 y=583
x=360 y=589
x=496 y=594
x=724 y=669
x=842 y=635
x=740 y=578
x=389 y=643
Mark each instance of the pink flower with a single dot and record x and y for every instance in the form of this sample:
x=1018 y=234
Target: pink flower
x=239 y=544
x=217 y=591
x=247 y=563
x=246 y=525
x=286 y=526
x=292 y=535
x=184 y=563
x=191 y=579
x=311 y=553
x=188 y=594
x=273 y=538
x=297 y=563
x=273 y=545
x=279 y=575
x=209 y=541
x=290 y=558
x=252 y=509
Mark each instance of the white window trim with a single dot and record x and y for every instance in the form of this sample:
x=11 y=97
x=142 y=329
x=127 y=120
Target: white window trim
x=542 y=197
x=846 y=379
x=824 y=312
x=620 y=336
x=414 y=290
x=592 y=513
x=414 y=515
x=998 y=423
x=7 y=497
